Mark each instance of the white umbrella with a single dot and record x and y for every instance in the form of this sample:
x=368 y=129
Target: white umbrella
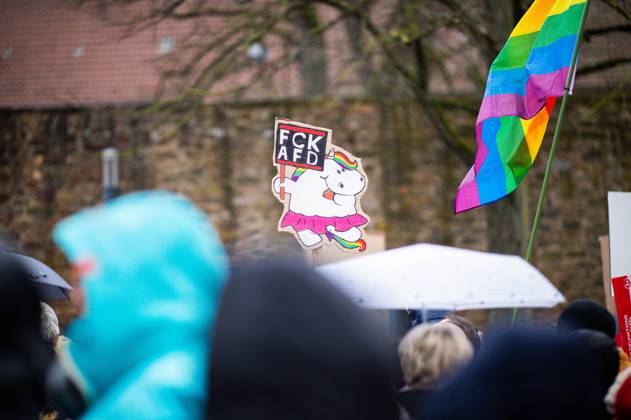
x=440 y=277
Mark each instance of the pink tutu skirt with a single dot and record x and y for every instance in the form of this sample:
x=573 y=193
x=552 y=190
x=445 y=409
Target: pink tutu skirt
x=318 y=224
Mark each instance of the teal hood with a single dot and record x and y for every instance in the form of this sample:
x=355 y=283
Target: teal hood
x=152 y=269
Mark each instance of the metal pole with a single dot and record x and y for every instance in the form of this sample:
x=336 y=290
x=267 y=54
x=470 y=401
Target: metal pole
x=109 y=158
x=394 y=325
x=557 y=130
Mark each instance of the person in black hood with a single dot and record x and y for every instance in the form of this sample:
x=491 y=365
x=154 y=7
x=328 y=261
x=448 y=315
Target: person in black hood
x=23 y=355
x=523 y=375
x=288 y=345
x=605 y=360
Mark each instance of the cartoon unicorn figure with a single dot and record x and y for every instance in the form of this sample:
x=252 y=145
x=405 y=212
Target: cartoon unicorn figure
x=326 y=203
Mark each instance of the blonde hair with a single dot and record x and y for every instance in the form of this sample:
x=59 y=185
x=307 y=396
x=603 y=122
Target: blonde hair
x=50 y=325
x=429 y=353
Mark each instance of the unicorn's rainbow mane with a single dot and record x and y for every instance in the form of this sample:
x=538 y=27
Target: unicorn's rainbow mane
x=343 y=160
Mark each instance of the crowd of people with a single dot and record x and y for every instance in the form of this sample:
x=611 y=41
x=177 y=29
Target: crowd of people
x=170 y=329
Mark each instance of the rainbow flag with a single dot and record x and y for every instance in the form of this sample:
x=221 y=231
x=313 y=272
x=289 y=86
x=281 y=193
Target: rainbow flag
x=529 y=73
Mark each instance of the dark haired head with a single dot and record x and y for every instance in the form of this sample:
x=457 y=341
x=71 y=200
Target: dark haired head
x=470 y=330
x=586 y=314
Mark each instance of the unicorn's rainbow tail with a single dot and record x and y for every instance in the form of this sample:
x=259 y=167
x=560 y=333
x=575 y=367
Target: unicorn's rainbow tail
x=359 y=244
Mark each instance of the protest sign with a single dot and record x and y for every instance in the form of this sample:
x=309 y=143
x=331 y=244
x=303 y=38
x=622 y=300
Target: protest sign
x=298 y=145
x=620 y=233
x=324 y=187
x=623 y=307
x=620 y=263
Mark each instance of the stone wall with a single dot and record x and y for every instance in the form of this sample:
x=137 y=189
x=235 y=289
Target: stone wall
x=221 y=159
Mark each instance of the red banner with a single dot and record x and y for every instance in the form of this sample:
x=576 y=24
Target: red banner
x=623 y=308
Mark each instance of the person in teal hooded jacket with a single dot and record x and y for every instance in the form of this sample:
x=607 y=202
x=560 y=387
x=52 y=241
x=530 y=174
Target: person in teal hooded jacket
x=152 y=269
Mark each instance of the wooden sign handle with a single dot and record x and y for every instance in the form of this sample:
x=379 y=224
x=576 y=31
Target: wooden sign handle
x=282 y=182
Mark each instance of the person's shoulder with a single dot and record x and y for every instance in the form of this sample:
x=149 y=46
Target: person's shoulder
x=412 y=400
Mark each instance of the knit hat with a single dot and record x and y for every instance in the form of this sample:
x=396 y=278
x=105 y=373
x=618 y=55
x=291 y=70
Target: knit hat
x=289 y=345
x=586 y=314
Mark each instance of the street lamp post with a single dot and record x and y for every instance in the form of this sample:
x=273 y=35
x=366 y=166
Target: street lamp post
x=109 y=159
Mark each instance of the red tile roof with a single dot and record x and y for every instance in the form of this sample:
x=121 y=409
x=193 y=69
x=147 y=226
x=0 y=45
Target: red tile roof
x=55 y=55
x=52 y=54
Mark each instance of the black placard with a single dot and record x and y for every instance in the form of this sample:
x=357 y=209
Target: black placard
x=300 y=146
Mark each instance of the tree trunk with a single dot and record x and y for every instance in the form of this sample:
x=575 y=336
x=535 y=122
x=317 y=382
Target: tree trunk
x=505 y=224
x=357 y=41
x=312 y=59
x=501 y=23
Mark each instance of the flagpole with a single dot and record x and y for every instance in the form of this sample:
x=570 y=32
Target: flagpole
x=557 y=130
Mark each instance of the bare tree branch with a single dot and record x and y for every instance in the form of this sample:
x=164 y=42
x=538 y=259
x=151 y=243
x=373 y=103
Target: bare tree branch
x=406 y=38
x=446 y=135
x=210 y=11
x=607 y=30
x=615 y=5
x=602 y=65
x=473 y=28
